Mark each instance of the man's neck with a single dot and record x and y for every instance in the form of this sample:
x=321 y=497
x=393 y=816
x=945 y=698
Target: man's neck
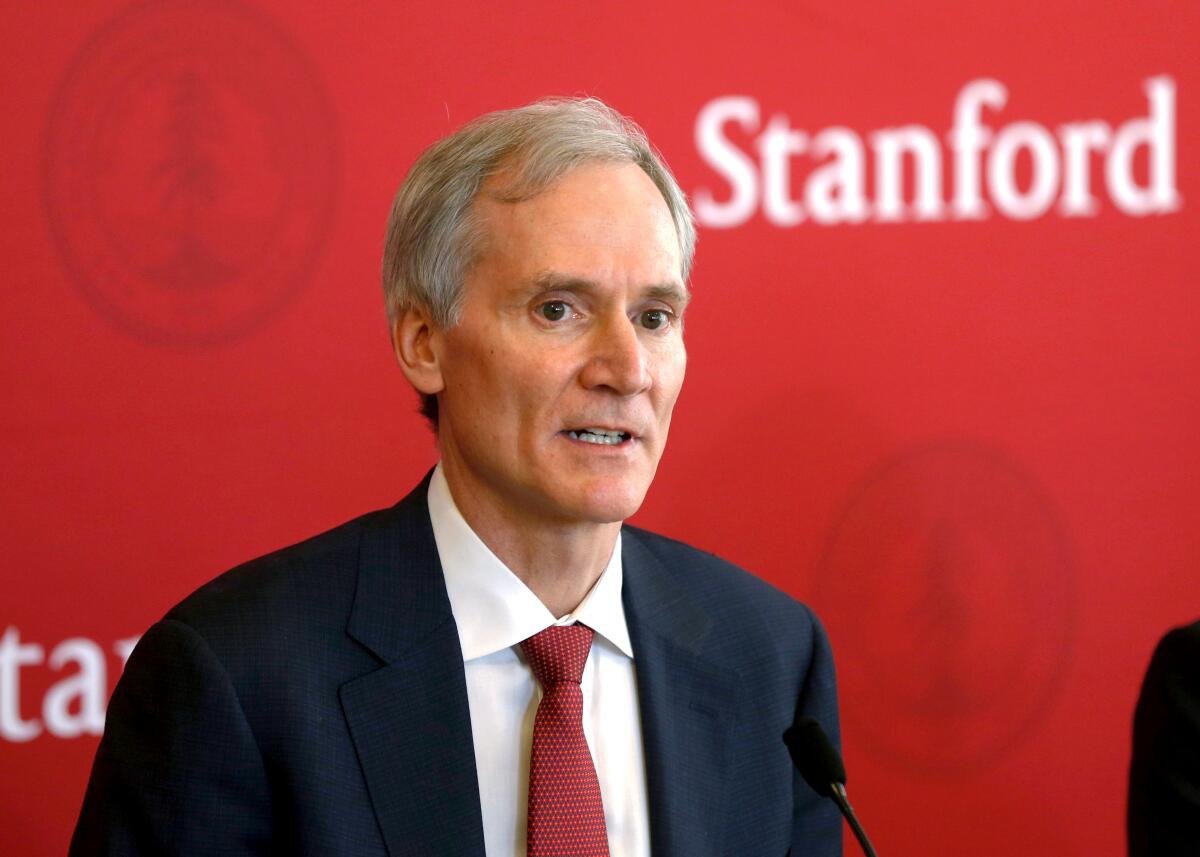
x=560 y=562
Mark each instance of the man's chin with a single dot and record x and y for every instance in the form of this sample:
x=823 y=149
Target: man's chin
x=609 y=503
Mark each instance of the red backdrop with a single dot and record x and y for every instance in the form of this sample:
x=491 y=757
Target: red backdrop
x=943 y=348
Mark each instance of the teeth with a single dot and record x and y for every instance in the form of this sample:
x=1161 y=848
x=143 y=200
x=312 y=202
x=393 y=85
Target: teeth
x=600 y=436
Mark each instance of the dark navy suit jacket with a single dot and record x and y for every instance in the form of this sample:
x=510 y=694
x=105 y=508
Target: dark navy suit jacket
x=1164 y=773
x=314 y=702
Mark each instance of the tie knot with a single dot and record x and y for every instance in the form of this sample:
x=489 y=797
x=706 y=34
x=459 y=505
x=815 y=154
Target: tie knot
x=558 y=653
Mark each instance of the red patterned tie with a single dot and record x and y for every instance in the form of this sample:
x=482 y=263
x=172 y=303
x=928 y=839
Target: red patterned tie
x=566 y=815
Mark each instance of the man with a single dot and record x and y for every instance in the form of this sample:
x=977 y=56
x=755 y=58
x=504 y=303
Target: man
x=1164 y=775
x=495 y=665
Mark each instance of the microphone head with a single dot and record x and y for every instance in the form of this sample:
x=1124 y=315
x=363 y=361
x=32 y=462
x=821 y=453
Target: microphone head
x=814 y=756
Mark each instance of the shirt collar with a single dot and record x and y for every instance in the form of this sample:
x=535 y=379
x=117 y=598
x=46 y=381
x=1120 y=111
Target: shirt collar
x=493 y=609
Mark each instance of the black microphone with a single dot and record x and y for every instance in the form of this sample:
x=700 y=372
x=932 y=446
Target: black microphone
x=821 y=766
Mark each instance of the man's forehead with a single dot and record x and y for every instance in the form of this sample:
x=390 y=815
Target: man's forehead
x=591 y=207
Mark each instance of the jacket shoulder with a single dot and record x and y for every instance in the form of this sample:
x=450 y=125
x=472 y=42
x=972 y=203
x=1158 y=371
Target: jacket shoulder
x=286 y=595
x=726 y=589
x=1180 y=644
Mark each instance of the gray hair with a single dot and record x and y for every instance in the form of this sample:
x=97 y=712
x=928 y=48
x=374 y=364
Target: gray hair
x=433 y=239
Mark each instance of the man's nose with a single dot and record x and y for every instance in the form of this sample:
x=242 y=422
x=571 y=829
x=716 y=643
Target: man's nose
x=618 y=359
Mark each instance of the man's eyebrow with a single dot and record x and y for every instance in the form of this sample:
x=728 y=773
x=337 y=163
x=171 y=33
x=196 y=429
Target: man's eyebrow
x=555 y=280
x=672 y=293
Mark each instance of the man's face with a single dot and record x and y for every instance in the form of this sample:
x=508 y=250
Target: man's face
x=572 y=322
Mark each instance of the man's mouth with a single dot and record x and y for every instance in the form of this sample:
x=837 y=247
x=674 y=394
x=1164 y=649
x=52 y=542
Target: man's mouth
x=602 y=437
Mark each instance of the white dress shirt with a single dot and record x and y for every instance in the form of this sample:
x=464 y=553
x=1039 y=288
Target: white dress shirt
x=494 y=612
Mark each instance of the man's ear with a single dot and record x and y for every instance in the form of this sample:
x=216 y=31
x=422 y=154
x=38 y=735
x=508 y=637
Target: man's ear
x=417 y=342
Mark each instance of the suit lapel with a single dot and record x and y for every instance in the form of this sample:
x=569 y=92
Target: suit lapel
x=411 y=722
x=410 y=719
x=686 y=706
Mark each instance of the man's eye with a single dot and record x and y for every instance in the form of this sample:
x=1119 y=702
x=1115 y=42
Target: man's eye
x=553 y=310
x=653 y=319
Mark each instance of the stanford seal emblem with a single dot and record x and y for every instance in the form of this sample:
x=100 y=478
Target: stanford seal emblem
x=950 y=588
x=190 y=171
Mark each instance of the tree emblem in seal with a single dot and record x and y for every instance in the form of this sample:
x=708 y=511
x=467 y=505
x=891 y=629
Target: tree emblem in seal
x=949 y=587
x=190 y=171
